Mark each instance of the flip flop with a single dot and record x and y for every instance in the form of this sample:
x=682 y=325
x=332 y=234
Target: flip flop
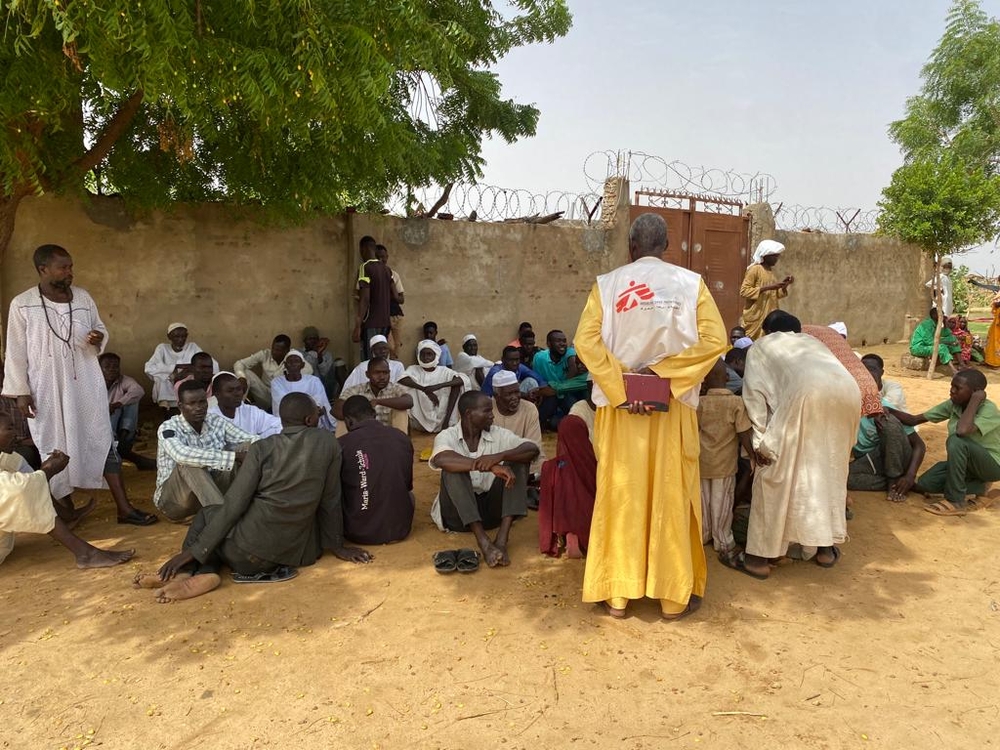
x=836 y=559
x=693 y=605
x=618 y=614
x=446 y=561
x=738 y=563
x=981 y=502
x=945 y=508
x=467 y=560
x=137 y=517
x=279 y=574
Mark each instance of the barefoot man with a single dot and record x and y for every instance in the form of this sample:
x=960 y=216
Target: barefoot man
x=281 y=511
x=26 y=505
x=484 y=477
x=54 y=336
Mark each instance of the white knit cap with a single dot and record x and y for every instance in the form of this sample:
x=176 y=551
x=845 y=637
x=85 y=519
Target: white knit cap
x=502 y=378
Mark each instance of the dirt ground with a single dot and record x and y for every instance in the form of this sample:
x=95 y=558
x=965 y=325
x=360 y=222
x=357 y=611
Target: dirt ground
x=896 y=646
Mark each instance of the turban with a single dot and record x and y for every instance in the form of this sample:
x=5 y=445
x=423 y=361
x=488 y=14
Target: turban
x=767 y=247
x=433 y=346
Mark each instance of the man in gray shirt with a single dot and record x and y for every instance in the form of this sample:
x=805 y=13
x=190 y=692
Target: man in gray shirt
x=282 y=509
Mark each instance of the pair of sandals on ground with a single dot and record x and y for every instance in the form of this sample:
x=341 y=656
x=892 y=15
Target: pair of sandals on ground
x=737 y=561
x=972 y=503
x=463 y=560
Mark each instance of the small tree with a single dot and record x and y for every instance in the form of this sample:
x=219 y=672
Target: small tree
x=943 y=206
x=962 y=293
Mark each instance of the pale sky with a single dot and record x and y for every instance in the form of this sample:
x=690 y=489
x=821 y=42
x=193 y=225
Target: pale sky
x=801 y=89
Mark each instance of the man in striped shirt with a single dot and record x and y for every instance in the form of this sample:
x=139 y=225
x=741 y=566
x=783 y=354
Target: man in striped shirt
x=197 y=455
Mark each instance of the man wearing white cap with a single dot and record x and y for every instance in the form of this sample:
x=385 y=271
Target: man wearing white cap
x=170 y=360
x=469 y=363
x=761 y=289
x=272 y=363
x=378 y=345
x=295 y=380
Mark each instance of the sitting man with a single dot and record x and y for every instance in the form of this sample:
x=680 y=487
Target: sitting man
x=329 y=370
x=736 y=333
x=431 y=412
x=526 y=346
x=431 y=332
x=922 y=341
x=26 y=505
x=196 y=456
x=124 y=395
x=533 y=386
x=280 y=513
x=390 y=400
x=272 y=363
x=888 y=453
x=377 y=476
x=736 y=362
x=469 y=363
x=891 y=392
x=484 y=479
x=379 y=347
x=294 y=380
x=229 y=393
x=171 y=361
x=973 y=444
x=564 y=373
x=520 y=416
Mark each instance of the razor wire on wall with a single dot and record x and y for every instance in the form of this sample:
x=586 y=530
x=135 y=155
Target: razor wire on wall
x=822 y=219
x=489 y=203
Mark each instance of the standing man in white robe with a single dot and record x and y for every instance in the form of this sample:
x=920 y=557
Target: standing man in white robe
x=804 y=407
x=945 y=291
x=54 y=336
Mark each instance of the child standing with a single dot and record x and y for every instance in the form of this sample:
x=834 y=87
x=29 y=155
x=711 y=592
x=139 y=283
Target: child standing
x=723 y=426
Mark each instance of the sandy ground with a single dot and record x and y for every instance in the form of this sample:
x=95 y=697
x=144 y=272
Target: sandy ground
x=896 y=646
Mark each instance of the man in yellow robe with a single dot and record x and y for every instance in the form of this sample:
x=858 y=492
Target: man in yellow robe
x=654 y=318
x=761 y=289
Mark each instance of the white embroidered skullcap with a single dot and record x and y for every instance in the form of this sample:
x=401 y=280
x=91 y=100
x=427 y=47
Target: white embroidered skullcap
x=504 y=378
x=377 y=339
x=469 y=337
x=174 y=326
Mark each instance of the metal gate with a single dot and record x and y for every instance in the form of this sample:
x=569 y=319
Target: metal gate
x=708 y=235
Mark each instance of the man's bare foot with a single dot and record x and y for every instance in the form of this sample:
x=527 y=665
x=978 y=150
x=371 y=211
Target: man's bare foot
x=153 y=580
x=187 y=588
x=493 y=555
x=505 y=560
x=103 y=558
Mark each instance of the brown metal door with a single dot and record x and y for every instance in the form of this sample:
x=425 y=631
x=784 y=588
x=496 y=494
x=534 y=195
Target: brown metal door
x=719 y=253
x=712 y=245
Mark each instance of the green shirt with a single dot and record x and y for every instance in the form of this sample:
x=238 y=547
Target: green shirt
x=868 y=437
x=923 y=335
x=987 y=421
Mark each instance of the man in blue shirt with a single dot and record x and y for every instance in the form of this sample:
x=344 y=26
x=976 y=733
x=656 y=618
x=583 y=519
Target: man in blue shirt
x=533 y=386
x=565 y=375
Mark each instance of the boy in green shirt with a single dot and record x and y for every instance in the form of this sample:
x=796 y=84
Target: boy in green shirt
x=973 y=444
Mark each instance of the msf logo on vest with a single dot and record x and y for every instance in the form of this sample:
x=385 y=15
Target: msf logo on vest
x=632 y=297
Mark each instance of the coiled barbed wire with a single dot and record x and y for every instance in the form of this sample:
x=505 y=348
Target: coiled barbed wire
x=490 y=203
x=644 y=170
x=824 y=219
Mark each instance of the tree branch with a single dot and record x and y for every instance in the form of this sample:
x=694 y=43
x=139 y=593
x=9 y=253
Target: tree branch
x=109 y=136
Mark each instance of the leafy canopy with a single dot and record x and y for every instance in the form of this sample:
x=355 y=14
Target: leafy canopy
x=293 y=104
x=958 y=107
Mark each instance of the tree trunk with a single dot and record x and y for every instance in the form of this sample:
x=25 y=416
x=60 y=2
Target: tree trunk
x=936 y=296
x=8 y=210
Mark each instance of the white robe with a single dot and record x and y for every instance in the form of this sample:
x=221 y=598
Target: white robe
x=161 y=365
x=359 y=375
x=71 y=397
x=252 y=419
x=804 y=407
x=423 y=413
x=466 y=364
x=25 y=502
x=310 y=385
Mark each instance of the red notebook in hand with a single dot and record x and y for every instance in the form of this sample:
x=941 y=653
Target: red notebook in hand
x=652 y=390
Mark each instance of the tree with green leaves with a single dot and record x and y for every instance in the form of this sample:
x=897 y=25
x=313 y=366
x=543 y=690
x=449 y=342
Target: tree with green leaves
x=946 y=196
x=943 y=207
x=298 y=106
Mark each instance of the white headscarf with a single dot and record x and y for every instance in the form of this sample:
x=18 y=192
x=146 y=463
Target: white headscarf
x=767 y=247
x=433 y=346
x=839 y=327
